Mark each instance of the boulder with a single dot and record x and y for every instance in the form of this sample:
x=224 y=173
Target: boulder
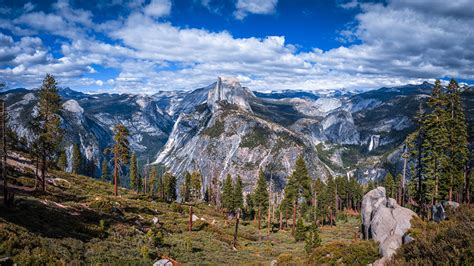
x=384 y=221
x=438 y=211
x=155 y=220
x=195 y=218
x=390 y=245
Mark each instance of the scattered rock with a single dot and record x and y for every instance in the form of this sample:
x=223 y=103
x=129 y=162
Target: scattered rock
x=155 y=220
x=384 y=221
x=438 y=211
x=407 y=239
x=195 y=218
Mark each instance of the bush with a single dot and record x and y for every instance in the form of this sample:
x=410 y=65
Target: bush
x=450 y=242
x=355 y=253
x=289 y=259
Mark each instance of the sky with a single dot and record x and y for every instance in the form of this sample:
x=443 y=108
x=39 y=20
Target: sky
x=144 y=46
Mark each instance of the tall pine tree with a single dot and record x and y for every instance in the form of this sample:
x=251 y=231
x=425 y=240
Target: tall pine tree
x=47 y=124
x=120 y=151
x=228 y=194
x=261 y=196
x=62 y=161
x=105 y=170
x=238 y=194
x=389 y=184
x=457 y=151
x=76 y=159
x=133 y=172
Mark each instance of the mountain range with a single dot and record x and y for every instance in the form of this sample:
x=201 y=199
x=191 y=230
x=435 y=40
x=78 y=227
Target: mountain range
x=226 y=128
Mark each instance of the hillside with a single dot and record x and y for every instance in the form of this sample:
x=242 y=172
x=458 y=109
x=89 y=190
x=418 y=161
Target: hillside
x=79 y=221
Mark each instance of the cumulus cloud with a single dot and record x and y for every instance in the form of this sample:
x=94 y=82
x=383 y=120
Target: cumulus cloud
x=261 y=7
x=421 y=43
x=158 y=8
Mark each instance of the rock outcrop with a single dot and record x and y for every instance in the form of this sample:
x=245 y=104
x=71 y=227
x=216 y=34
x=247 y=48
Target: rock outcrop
x=384 y=221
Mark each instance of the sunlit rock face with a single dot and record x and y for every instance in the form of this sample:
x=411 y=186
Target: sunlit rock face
x=226 y=128
x=230 y=91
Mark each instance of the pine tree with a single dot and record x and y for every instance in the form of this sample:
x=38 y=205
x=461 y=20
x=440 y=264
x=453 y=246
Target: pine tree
x=47 y=124
x=120 y=151
x=291 y=198
x=227 y=194
x=300 y=231
x=196 y=186
x=90 y=168
x=105 y=170
x=312 y=240
x=261 y=196
x=62 y=161
x=76 y=159
x=133 y=172
x=169 y=182
x=152 y=180
x=389 y=185
x=330 y=200
x=435 y=143
x=186 y=187
x=303 y=180
x=416 y=151
x=318 y=189
x=457 y=131
x=238 y=194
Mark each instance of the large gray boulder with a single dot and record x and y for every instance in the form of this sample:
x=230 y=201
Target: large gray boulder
x=384 y=221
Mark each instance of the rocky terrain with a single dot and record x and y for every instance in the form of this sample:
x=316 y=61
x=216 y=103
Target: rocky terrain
x=226 y=128
x=385 y=221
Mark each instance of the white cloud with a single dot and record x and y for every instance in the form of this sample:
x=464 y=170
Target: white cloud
x=158 y=8
x=421 y=43
x=261 y=7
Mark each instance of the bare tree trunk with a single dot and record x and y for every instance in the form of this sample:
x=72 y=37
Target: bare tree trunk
x=269 y=222
x=402 y=185
x=236 y=231
x=36 y=172
x=115 y=173
x=43 y=172
x=281 y=221
x=259 y=225
x=467 y=185
x=190 y=218
x=294 y=218
x=258 y=218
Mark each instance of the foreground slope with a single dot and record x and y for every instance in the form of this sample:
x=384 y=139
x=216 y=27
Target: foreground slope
x=79 y=221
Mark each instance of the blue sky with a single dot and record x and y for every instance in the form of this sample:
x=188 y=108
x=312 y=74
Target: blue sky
x=142 y=46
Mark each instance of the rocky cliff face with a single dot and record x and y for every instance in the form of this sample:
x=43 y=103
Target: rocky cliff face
x=88 y=120
x=224 y=137
x=226 y=128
